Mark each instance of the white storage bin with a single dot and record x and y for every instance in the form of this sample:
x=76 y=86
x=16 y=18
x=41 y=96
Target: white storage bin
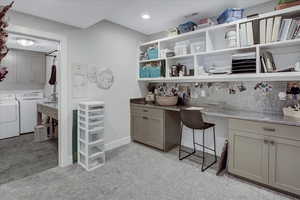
x=96 y=162
x=91 y=146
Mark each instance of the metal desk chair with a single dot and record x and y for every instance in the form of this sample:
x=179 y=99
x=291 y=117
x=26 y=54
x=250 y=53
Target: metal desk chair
x=193 y=119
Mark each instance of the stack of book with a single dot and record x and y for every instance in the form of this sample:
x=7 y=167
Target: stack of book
x=249 y=33
x=269 y=30
x=267 y=62
x=244 y=63
x=278 y=29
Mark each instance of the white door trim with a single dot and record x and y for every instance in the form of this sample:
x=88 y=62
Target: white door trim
x=65 y=109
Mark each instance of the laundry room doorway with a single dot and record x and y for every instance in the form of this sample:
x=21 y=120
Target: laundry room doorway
x=36 y=63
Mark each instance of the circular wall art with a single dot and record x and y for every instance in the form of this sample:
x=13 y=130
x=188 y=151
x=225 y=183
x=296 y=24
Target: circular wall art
x=105 y=78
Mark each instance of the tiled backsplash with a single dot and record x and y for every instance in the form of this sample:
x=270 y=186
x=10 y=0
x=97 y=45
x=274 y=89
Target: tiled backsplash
x=249 y=100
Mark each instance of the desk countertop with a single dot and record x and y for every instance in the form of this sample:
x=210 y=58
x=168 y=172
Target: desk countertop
x=216 y=111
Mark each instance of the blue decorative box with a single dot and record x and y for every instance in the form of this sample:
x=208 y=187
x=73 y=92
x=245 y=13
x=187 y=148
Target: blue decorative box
x=230 y=15
x=144 y=72
x=152 y=53
x=155 y=71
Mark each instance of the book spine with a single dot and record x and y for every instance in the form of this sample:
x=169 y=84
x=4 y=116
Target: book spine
x=269 y=30
x=262 y=30
x=250 y=40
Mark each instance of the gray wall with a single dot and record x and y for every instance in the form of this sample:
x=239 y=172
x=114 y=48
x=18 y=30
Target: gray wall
x=105 y=45
x=115 y=47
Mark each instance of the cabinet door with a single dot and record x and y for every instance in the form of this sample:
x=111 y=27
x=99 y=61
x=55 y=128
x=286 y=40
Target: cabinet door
x=248 y=156
x=155 y=132
x=148 y=130
x=38 y=65
x=139 y=128
x=285 y=164
x=24 y=69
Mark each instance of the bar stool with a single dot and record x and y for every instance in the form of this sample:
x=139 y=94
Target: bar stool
x=193 y=119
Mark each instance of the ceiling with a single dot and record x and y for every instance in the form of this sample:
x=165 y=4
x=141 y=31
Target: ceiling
x=40 y=45
x=164 y=13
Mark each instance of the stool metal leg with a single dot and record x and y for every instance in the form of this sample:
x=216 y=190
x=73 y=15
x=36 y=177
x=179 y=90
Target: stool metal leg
x=203 y=149
x=215 y=149
x=215 y=152
x=180 y=150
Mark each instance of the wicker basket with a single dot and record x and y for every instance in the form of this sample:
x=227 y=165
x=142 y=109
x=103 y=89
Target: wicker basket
x=167 y=100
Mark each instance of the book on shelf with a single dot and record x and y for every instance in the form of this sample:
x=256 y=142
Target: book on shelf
x=285 y=29
x=256 y=31
x=276 y=28
x=263 y=65
x=267 y=62
x=250 y=39
x=269 y=30
x=262 y=31
x=243 y=35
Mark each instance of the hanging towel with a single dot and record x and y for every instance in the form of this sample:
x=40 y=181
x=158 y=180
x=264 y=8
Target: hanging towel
x=52 y=80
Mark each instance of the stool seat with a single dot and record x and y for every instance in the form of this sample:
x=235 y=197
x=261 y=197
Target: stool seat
x=207 y=125
x=193 y=119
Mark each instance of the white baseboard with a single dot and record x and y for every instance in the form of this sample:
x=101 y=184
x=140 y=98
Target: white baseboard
x=67 y=162
x=117 y=143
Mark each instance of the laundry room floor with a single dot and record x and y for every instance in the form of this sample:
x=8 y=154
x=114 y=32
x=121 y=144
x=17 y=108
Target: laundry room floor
x=21 y=157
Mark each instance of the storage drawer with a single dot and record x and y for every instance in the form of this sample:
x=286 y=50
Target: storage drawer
x=267 y=129
x=147 y=112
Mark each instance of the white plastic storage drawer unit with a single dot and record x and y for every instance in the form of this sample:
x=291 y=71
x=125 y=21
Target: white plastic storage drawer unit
x=91 y=147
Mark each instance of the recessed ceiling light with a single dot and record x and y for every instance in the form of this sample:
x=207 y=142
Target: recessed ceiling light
x=146 y=16
x=25 y=42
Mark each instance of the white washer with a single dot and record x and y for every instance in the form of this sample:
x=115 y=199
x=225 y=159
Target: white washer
x=9 y=116
x=28 y=110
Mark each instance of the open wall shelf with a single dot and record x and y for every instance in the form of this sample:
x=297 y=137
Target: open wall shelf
x=285 y=53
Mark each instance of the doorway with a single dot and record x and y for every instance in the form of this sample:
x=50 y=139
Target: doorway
x=64 y=138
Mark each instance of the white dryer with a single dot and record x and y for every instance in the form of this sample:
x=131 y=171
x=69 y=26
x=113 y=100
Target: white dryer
x=28 y=109
x=9 y=116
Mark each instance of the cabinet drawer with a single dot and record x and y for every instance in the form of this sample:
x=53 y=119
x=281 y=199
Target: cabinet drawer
x=267 y=129
x=147 y=112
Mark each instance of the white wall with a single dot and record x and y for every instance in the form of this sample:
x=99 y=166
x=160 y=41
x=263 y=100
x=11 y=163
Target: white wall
x=115 y=47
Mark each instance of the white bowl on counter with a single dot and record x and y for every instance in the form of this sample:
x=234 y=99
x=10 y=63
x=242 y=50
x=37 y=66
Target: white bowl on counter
x=167 y=100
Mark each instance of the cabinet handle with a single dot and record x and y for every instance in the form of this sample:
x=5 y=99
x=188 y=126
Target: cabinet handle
x=266 y=141
x=145 y=118
x=145 y=110
x=272 y=142
x=269 y=129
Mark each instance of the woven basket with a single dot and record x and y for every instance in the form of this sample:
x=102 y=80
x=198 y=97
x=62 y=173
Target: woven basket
x=167 y=100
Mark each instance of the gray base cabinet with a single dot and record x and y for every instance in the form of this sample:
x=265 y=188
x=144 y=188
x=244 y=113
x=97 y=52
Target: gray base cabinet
x=155 y=127
x=265 y=153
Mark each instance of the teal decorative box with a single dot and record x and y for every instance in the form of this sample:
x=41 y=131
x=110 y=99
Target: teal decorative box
x=155 y=71
x=144 y=72
x=152 y=53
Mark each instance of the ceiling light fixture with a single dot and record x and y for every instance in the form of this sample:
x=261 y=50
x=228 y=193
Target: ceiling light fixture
x=146 y=16
x=25 y=42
